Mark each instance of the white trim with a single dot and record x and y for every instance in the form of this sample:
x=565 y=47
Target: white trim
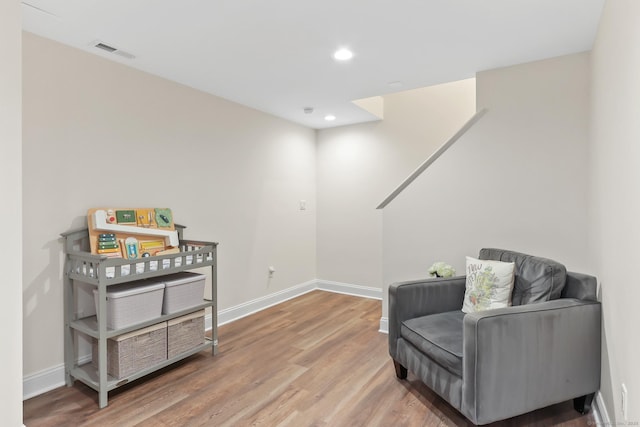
x=600 y=411
x=384 y=325
x=444 y=147
x=42 y=382
x=46 y=380
x=349 y=289
x=230 y=314
x=49 y=379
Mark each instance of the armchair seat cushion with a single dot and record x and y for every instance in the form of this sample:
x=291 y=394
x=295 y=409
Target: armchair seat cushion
x=438 y=336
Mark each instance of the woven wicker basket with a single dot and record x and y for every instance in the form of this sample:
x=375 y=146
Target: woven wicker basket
x=184 y=333
x=135 y=351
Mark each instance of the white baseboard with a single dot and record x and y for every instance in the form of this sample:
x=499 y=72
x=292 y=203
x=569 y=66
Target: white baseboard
x=46 y=380
x=600 y=411
x=49 y=379
x=384 y=325
x=231 y=314
x=42 y=382
x=349 y=289
x=245 y=309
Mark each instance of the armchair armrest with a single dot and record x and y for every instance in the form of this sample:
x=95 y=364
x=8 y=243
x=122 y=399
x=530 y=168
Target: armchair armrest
x=408 y=300
x=521 y=358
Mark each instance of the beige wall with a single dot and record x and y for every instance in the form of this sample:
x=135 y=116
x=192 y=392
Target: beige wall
x=97 y=133
x=359 y=165
x=516 y=180
x=615 y=204
x=11 y=214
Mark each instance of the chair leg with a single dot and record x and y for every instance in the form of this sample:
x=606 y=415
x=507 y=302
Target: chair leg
x=401 y=371
x=582 y=404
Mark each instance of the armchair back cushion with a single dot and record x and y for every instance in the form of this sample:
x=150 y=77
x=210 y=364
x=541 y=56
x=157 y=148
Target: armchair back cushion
x=580 y=286
x=536 y=279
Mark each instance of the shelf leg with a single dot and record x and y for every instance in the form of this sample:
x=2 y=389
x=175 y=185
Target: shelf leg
x=102 y=346
x=69 y=345
x=103 y=397
x=214 y=298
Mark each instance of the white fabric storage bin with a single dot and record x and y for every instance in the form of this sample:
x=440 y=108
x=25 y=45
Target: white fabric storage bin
x=185 y=333
x=182 y=291
x=134 y=351
x=132 y=303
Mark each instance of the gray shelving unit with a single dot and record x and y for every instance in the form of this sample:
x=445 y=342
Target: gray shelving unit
x=83 y=267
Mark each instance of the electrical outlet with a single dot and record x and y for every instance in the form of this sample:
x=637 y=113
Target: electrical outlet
x=625 y=400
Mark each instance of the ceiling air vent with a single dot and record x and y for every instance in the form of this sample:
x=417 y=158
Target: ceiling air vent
x=124 y=54
x=113 y=50
x=106 y=47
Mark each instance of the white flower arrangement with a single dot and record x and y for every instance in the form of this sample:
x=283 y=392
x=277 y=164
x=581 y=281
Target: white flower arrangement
x=440 y=269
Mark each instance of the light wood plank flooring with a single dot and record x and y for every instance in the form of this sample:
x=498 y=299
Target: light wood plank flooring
x=316 y=360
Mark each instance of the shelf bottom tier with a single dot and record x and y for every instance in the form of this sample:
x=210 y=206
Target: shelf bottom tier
x=88 y=374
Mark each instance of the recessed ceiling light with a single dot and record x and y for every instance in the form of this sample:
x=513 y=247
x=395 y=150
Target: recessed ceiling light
x=329 y=117
x=343 y=54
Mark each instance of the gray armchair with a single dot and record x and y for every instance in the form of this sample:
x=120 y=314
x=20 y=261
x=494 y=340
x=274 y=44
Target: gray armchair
x=499 y=363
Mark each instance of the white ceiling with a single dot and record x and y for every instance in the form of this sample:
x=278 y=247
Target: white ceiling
x=276 y=55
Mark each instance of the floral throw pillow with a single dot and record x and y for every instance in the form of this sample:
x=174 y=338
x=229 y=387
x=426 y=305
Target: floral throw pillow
x=489 y=285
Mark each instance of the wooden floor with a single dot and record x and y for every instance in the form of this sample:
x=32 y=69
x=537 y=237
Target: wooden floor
x=317 y=360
